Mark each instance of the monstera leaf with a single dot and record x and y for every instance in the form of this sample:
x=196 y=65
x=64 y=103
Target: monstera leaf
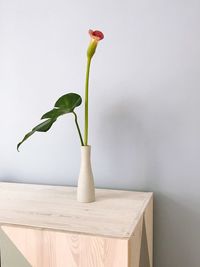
x=65 y=104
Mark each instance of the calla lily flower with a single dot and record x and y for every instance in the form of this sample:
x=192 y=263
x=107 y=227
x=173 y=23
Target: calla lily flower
x=96 y=36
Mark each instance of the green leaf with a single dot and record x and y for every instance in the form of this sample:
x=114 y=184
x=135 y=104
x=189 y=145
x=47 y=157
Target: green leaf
x=68 y=102
x=65 y=104
x=24 y=139
x=42 y=127
x=54 y=113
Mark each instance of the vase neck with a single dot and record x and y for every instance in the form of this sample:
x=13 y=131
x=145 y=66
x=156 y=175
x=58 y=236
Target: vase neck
x=85 y=153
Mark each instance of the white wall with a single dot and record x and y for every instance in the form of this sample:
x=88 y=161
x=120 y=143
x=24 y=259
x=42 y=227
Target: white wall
x=144 y=104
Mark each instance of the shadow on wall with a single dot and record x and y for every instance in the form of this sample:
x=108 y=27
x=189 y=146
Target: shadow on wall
x=123 y=144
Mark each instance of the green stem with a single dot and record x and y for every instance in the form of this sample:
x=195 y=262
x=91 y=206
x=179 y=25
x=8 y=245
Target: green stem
x=86 y=101
x=78 y=128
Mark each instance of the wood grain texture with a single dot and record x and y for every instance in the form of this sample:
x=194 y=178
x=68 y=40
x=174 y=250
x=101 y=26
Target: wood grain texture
x=44 y=226
x=56 y=208
x=141 y=241
x=135 y=243
x=44 y=248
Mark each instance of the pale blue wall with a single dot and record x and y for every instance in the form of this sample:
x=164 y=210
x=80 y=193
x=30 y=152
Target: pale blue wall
x=144 y=104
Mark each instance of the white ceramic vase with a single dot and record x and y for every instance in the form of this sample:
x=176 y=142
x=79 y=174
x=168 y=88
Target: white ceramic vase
x=86 y=190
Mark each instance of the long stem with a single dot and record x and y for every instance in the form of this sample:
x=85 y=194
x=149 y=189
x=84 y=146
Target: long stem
x=86 y=101
x=78 y=128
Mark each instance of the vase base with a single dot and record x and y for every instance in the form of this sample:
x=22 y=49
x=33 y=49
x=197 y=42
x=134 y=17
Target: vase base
x=85 y=199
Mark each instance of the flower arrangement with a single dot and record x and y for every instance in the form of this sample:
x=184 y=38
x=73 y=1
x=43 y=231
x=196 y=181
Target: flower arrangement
x=68 y=102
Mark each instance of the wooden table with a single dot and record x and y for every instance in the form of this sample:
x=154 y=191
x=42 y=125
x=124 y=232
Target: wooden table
x=44 y=226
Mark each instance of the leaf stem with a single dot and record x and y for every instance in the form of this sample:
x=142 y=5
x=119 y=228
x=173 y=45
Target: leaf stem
x=78 y=128
x=86 y=101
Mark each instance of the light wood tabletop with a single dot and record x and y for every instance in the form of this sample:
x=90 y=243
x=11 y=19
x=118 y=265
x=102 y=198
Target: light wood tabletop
x=45 y=226
x=114 y=214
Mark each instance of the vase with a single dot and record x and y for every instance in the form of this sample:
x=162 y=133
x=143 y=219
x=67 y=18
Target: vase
x=86 y=190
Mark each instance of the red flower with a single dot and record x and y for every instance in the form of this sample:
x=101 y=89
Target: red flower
x=97 y=35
